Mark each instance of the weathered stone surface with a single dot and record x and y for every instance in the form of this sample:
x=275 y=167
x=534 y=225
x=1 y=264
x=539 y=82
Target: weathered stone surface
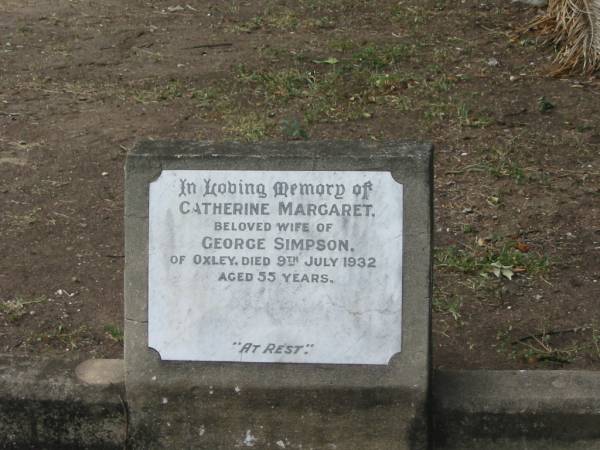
x=272 y=266
x=516 y=409
x=43 y=405
x=101 y=371
x=212 y=405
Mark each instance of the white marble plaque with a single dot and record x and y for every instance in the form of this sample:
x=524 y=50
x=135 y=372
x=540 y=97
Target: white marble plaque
x=278 y=267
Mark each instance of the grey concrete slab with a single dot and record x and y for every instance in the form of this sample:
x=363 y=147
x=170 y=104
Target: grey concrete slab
x=44 y=405
x=510 y=409
x=101 y=371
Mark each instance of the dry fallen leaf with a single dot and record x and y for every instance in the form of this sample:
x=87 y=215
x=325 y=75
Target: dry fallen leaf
x=522 y=246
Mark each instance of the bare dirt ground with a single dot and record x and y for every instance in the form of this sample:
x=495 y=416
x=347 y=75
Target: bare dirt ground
x=517 y=163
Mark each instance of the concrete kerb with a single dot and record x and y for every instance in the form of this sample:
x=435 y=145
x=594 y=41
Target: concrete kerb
x=43 y=404
x=520 y=409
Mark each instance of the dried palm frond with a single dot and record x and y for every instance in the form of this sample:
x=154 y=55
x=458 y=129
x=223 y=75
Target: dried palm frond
x=573 y=26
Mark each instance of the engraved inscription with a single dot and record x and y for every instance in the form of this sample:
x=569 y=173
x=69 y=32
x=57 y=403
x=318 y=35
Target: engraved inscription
x=271 y=266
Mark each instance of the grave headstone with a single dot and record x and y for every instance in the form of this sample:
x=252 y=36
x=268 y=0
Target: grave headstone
x=278 y=295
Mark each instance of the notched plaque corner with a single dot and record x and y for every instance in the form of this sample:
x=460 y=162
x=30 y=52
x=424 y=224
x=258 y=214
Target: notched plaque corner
x=155 y=354
x=394 y=358
x=396 y=180
x=154 y=177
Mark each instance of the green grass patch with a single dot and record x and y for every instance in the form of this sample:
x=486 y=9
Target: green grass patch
x=165 y=93
x=278 y=19
x=502 y=260
x=17 y=308
x=447 y=305
x=284 y=20
x=63 y=335
x=378 y=58
x=275 y=87
x=293 y=129
x=466 y=118
x=545 y=345
x=249 y=127
x=114 y=332
x=350 y=82
x=500 y=164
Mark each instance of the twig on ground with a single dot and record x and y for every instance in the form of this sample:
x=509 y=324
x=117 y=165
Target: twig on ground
x=223 y=44
x=547 y=333
x=471 y=168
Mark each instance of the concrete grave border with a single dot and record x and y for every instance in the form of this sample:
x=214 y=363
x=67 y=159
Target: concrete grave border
x=43 y=404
